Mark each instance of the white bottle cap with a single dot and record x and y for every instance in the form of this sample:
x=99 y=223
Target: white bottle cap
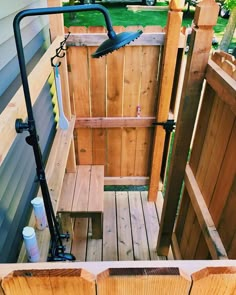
x=28 y=232
x=38 y=201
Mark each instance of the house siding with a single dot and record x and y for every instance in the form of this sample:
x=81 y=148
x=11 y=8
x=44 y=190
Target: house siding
x=18 y=183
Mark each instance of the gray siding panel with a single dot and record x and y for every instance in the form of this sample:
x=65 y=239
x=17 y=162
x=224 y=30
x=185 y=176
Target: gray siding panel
x=17 y=179
x=11 y=70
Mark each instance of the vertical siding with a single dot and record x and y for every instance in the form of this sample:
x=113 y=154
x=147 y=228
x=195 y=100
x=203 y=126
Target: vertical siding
x=17 y=179
x=18 y=172
x=35 y=35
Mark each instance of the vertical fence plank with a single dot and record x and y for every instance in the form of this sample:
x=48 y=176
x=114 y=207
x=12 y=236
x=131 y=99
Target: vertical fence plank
x=200 y=46
x=227 y=224
x=115 y=84
x=131 y=98
x=217 y=175
x=203 y=177
x=147 y=104
x=97 y=69
x=140 y=281
x=80 y=73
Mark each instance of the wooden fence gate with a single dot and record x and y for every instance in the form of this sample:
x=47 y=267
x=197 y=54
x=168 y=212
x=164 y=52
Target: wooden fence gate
x=115 y=99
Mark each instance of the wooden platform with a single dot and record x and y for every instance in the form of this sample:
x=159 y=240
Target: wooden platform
x=130 y=230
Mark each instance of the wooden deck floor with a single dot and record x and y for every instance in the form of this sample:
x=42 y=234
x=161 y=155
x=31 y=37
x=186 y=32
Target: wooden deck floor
x=130 y=230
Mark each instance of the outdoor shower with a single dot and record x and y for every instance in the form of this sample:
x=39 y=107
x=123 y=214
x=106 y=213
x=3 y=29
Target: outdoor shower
x=115 y=41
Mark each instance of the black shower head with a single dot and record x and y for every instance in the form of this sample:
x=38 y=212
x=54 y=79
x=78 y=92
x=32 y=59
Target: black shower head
x=115 y=42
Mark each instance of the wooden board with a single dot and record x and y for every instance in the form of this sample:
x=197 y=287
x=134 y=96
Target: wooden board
x=115 y=86
x=164 y=97
x=124 y=237
x=95 y=204
x=200 y=47
x=152 y=224
x=97 y=68
x=79 y=243
x=219 y=280
x=131 y=100
x=109 y=228
x=67 y=193
x=48 y=282
x=208 y=228
x=81 y=194
x=81 y=96
x=227 y=225
x=222 y=83
x=139 y=235
x=94 y=247
x=140 y=281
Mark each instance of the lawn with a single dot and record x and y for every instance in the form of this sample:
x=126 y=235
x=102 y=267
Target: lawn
x=121 y=16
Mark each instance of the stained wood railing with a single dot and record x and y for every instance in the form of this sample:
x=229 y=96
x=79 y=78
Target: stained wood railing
x=161 y=277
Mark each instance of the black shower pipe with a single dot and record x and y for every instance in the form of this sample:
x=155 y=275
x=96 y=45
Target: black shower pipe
x=30 y=126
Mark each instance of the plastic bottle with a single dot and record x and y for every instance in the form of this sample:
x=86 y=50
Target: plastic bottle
x=31 y=244
x=39 y=213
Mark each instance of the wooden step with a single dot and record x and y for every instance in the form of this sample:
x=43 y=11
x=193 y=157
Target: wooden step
x=82 y=196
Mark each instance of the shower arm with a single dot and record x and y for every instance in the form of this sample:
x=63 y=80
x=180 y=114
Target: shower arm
x=46 y=11
x=57 y=249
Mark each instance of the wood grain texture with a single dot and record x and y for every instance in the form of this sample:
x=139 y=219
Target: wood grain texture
x=79 y=243
x=208 y=228
x=152 y=224
x=61 y=281
x=124 y=238
x=139 y=235
x=194 y=76
x=67 y=193
x=143 y=281
x=81 y=193
x=110 y=252
x=218 y=280
x=164 y=97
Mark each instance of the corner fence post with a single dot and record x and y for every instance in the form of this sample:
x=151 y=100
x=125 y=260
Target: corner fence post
x=171 y=45
x=205 y=18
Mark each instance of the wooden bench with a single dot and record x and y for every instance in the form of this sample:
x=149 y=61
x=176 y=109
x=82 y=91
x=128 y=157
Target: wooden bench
x=82 y=196
x=55 y=171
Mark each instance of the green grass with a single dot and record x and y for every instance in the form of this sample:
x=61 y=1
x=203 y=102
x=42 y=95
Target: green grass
x=121 y=16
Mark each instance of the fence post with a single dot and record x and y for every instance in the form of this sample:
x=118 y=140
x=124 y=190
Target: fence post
x=200 y=45
x=166 y=84
x=57 y=28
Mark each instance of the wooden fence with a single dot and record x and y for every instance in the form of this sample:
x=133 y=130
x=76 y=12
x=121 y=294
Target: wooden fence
x=115 y=100
x=70 y=278
x=206 y=225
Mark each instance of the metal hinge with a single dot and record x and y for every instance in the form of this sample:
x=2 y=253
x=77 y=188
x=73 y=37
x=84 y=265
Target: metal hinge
x=169 y=125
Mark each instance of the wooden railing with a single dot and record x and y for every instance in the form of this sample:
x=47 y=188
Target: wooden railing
x=162 y=277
